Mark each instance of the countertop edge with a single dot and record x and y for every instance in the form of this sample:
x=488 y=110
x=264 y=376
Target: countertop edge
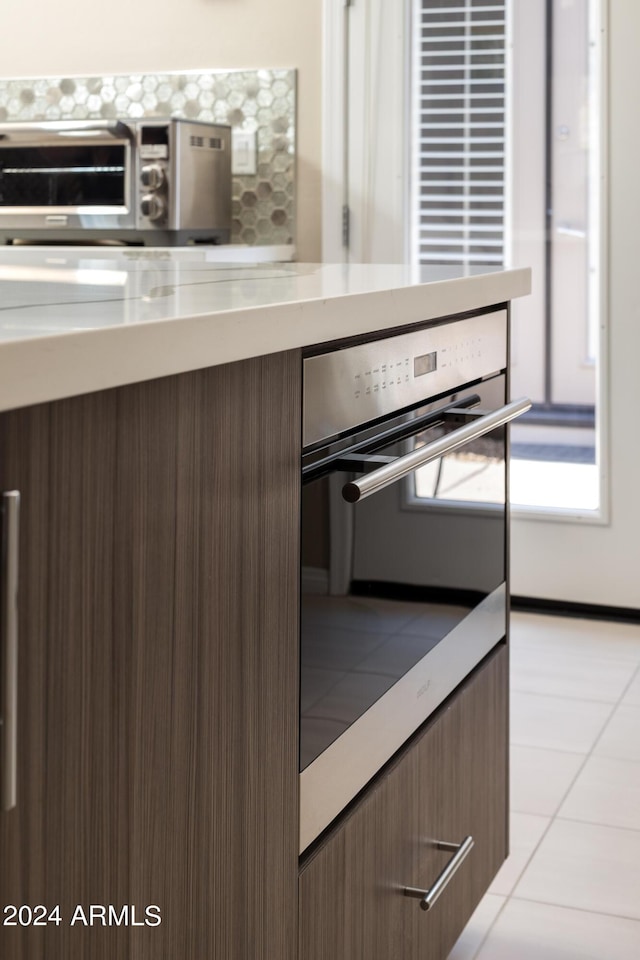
x=43 y=369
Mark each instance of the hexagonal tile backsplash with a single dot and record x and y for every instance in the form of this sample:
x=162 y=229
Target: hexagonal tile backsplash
x=262 y=101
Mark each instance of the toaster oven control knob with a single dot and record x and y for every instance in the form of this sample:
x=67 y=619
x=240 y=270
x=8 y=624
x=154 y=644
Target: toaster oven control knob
x=152 y=176
x=153 y=207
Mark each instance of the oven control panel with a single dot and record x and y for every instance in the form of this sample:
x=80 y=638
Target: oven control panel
x=346 y=388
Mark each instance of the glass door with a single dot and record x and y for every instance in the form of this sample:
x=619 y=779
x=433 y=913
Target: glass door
x=505 y=138
x=590 y=556
x=558 y=455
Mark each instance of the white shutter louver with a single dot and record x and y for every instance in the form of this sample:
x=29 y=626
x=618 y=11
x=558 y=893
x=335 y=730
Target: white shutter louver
x=459 y=132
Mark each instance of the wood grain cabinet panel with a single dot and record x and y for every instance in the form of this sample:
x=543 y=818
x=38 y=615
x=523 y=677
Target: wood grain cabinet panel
x=449 y=782
x=158 y=671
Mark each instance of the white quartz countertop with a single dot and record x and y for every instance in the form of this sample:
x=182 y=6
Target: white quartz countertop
x=76 y=320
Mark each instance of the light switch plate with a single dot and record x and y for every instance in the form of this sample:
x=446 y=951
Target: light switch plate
x=244 y=152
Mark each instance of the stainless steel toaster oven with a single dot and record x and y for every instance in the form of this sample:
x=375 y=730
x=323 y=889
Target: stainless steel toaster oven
x=154 y=181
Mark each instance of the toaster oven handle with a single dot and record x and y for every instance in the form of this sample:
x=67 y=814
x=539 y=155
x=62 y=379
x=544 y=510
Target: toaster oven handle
x=402 y=466
x=52 y=129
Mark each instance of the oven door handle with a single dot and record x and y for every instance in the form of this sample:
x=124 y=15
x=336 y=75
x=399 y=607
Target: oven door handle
x=403 y=466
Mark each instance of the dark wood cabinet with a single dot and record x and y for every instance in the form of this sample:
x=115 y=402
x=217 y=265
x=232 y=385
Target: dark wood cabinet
x=158 y=608
x=449 y=782
x=158 y=700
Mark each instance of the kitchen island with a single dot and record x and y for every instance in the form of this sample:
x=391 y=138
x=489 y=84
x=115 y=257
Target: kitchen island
x=76 y=320
x=151 y=422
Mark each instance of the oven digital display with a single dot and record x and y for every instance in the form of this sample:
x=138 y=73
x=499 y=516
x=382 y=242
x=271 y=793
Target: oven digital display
x=427 y=363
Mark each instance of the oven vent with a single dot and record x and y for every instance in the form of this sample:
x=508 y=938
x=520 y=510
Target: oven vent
x=211 y=143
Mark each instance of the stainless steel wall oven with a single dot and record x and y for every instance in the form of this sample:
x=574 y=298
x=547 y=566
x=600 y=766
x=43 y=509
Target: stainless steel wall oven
x=404 y=543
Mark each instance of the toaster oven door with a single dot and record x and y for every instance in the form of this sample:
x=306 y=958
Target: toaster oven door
x=75 y=175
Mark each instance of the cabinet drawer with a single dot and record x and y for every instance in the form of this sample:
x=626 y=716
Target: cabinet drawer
x=450 y=782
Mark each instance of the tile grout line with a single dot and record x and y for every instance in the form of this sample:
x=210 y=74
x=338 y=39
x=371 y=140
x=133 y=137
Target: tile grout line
x=564 y=906
x=512 y=896
x=530 y=746
x=617 y=707
x=490 y=927
x=517 y=880
x=554 y=817
x=564 y=696
x=587 y=756
x=530 y=646
x=596 y=823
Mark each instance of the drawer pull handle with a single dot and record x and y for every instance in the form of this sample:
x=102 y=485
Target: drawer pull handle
x=428 y=897
x=9 y=514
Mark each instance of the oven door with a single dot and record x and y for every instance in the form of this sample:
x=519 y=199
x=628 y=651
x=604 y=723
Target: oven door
x=403 y=590
x=70 y=174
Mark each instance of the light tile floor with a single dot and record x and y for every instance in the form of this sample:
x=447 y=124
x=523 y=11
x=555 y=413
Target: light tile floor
x=570 y=889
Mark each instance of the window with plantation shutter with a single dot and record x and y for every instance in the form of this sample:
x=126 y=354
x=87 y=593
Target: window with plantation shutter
x=459 y=132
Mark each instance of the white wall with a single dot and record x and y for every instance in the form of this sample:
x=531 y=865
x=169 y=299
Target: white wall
x=70 y=37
